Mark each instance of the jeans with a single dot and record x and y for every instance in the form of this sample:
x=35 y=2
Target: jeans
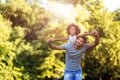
x=73 y=75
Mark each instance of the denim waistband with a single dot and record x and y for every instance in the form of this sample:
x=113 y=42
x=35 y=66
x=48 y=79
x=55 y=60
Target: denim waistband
x=73 y=70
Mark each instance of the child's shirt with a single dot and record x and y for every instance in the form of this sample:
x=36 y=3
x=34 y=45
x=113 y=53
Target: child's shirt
x=72 y=39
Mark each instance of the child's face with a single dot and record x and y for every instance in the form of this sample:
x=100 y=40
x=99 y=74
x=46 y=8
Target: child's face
x=72 y=30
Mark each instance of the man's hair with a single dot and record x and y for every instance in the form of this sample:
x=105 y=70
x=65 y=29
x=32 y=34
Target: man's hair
x=83 y=37
x=76 y=28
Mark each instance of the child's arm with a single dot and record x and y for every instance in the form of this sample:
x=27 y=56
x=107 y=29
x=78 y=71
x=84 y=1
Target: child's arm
x=85 y=34
x=61 y=39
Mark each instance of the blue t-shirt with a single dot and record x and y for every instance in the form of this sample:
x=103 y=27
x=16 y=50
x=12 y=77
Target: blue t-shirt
x=73 y=56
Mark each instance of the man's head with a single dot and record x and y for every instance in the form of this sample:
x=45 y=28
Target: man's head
x=80 y=42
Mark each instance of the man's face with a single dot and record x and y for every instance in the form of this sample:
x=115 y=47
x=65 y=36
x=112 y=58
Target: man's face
x=79 y=42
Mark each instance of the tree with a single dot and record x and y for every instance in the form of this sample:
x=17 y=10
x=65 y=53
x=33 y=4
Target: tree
x=104 y=58
x=9 y=48
x=25 y=27
x=117 y=16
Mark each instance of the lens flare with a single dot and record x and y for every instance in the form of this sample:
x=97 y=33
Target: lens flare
x=66 y=11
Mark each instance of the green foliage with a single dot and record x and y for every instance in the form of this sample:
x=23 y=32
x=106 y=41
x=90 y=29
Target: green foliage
x=6 y=51
x=11 y=44
x=103 y=60
x=5 y=29
x=25 y=28
x=117 y=16
x=52 y=66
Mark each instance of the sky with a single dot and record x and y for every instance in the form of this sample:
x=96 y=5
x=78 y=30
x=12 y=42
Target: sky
x=111 y=4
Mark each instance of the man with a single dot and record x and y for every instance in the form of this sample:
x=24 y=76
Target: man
x=74 y=52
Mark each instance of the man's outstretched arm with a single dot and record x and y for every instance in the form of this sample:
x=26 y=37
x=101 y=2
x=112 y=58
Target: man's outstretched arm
x=52 y=46
x=96 y=41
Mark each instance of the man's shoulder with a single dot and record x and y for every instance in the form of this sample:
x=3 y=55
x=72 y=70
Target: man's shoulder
x=67 y=45
x=86 y=44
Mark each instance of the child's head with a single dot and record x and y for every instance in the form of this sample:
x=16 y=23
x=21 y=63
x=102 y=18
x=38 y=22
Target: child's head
x=73 y=29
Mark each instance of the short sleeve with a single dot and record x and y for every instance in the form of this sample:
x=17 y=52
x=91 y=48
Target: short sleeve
x=85 y=47
x=64 y=46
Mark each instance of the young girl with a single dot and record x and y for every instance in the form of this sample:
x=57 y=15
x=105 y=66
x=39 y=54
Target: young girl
x=73 y=32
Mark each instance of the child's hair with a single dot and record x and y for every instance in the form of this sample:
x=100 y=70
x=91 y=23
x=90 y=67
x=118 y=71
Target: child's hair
x=76 y=28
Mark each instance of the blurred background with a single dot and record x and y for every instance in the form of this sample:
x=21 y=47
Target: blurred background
x=26 y=25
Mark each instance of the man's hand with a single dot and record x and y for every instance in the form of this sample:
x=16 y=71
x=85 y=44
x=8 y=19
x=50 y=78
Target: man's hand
x=50 y=40
x=52 y=46
x=94 y=33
